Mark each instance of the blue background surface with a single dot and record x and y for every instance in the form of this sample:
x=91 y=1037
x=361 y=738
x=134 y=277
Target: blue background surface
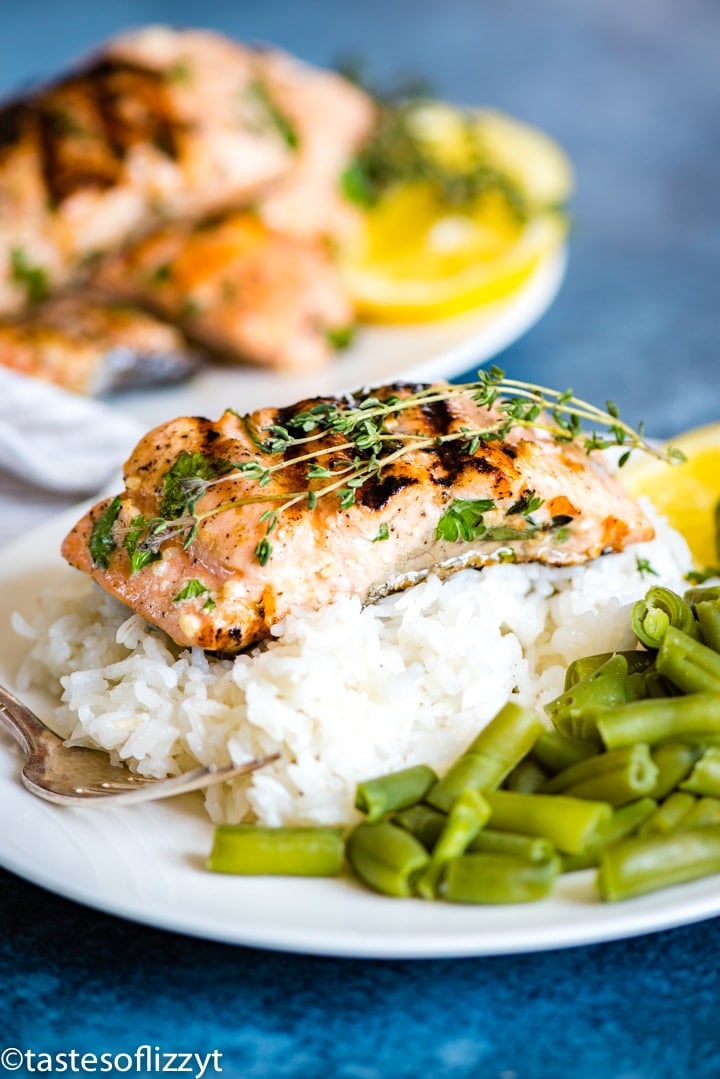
x=631 y=88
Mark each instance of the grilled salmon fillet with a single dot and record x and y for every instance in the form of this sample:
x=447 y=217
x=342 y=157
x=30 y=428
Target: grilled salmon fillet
x=160 y=125
x=239 y=288
x=94 y=348
x=215 y=539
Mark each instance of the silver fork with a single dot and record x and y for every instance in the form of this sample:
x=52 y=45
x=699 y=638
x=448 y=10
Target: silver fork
x=73 y=775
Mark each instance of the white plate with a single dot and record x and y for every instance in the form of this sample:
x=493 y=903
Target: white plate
x=418 y=352
x=146 y=862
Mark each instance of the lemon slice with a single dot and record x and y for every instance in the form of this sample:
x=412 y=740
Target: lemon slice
x=417 y=257
x=441 y=263
x=686 y=494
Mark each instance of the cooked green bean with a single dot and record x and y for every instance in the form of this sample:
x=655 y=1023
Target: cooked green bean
x=661 y=720
x=252 y=850
x=575 y=711
x=491 y=756
x=386 y=858
x=397 y=790
x=669 y=815
x=649 y=683
x=423 y=821
x=468 y=814
x=527 y=776
x=691 y=666
x=657 y=612
x=704 y=593
x=618 y=786
x=599 y=764
x=579 y=669
x=623 y=822
x=708 y=616
x=705 y=776
x=674 y=762
x=556 y=751
x=569 y=823
x=706 y=811
x=498 y=878
x=531 y=847
x=639 y=865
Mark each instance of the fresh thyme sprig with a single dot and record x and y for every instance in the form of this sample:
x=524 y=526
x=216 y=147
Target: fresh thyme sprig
x=367 y=439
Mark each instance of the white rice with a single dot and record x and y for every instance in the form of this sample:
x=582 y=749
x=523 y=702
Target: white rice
x=342 y=694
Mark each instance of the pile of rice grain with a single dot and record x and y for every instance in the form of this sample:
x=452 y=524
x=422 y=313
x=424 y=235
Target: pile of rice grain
x=342 y=694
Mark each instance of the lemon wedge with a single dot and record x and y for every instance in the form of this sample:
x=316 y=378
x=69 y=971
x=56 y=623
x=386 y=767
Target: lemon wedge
x=686 y=494
x=419 y=257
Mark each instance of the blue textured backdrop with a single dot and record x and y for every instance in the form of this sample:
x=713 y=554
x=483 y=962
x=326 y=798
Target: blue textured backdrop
x=632 y=90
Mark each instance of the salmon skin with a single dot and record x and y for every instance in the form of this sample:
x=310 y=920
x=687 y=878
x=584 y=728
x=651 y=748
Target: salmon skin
x=224 y=527
x=90 y=347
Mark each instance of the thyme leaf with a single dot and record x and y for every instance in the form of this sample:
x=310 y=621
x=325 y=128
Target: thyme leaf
x=187 y=480
x=397 y=153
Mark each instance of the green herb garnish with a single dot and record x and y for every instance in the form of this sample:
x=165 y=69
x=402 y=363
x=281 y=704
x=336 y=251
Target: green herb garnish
x=396 y=153
x=463 y=519
x=102 y=543
x=191 y=590
x=34 y=279
x=180 y=73
x=269 y=115
x=366 y=443
x=644 y=566
x=342 y=337
x=185 y=482
x=383 y=533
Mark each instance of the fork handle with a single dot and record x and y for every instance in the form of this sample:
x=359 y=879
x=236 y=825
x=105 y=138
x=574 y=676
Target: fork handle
x=23 y=724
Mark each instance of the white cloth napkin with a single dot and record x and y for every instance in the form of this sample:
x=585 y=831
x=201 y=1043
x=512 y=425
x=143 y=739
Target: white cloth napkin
x=59 y=441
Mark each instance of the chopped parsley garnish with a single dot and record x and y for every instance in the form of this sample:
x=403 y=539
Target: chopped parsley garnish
x=191 y=590
x=102 y=543
x=33 y=279
x=383 y=533
x=342 y=337
x=141 y=554
x=463 y=520
x=527 y=504
x=644 y=567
